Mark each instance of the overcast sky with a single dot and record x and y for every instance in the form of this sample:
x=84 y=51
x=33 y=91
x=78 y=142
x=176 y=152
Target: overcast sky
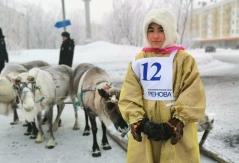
x=97 y=7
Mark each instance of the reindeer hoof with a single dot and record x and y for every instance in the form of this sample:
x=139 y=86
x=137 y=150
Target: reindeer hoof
x=38 y=141
x=49 y=147
x=14 y=123
x=86 y=133
x=96 y=153
x=27 y=133
x=33 y=137
x=106 y=146
x=76 y=128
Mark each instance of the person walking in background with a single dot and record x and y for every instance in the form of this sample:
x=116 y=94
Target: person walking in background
x=162 y=96
x=67 y=50
x=3 y=51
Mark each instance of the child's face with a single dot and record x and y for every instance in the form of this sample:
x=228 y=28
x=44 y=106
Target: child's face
x=155 y=35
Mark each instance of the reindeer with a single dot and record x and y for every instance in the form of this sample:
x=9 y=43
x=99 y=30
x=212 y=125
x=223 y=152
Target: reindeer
x=98 y=98
x=78 y=72
x=7 y=97
x=40 y=90
x=23 y=67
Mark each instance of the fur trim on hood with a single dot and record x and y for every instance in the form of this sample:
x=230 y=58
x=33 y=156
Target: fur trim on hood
x=166 y=19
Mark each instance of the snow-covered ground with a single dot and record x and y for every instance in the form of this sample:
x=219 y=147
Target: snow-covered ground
x=221 y=81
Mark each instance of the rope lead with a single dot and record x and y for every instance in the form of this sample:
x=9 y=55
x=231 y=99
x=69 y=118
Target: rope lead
x=79 y=97
x=38 y=88
x=41 y=99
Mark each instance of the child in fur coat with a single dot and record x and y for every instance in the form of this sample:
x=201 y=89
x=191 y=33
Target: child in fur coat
x=162 y=96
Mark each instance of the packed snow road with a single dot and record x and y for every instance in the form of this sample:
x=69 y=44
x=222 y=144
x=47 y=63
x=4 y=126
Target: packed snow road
x=222 y=90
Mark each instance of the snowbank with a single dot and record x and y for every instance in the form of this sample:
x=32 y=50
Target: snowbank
x=113 y=58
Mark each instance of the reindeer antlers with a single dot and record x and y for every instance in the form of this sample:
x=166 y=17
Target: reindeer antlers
x=17 y=80
x=30 y=78
x=109 y=84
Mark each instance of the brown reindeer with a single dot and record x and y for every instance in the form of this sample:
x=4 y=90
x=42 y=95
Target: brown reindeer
x=98 y=98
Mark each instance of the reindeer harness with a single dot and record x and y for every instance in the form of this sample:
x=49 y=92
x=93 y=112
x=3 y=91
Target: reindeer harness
x=18 y=88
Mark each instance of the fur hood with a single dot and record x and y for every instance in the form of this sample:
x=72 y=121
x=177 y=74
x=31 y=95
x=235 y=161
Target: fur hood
x=166 y=19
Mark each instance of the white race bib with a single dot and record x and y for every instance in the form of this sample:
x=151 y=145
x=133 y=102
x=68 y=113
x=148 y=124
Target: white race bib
x=156 y=76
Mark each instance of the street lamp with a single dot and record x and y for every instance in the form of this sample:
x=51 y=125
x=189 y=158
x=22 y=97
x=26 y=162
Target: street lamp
x=87 y=19
x=63 y=11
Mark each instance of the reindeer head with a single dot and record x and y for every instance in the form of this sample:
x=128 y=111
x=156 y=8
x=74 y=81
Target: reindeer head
x=110 y=94
x=111 y=98
x=25 y=90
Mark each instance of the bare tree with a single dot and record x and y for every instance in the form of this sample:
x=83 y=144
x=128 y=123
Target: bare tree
x=29 y=26
x=127 y=17
x=184 y=15
x=124 y=24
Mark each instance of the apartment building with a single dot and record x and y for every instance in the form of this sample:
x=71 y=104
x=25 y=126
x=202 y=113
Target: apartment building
x=216 y=23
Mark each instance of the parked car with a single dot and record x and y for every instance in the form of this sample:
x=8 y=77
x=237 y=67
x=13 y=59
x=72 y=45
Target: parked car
x=210 y=49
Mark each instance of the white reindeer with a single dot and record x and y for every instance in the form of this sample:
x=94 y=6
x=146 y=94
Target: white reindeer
x=8 y=101
x=7 y=97
x=40 y=90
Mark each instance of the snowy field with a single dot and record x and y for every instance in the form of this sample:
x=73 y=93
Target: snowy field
x=220 y=77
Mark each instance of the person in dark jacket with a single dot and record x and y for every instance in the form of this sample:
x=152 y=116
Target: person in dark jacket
x=3 y=51
x=67 y=50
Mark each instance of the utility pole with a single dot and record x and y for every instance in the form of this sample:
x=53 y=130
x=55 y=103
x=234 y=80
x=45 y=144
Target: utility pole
x=87 y=19
x=63 y=11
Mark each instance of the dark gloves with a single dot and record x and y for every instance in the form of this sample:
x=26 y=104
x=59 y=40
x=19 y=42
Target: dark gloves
x=154 y=131
x=135 y=131
x=158 y=131
x=178 y=129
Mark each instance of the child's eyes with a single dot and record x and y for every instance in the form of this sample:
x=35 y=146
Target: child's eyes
x=160 y=30
x=150 y=30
